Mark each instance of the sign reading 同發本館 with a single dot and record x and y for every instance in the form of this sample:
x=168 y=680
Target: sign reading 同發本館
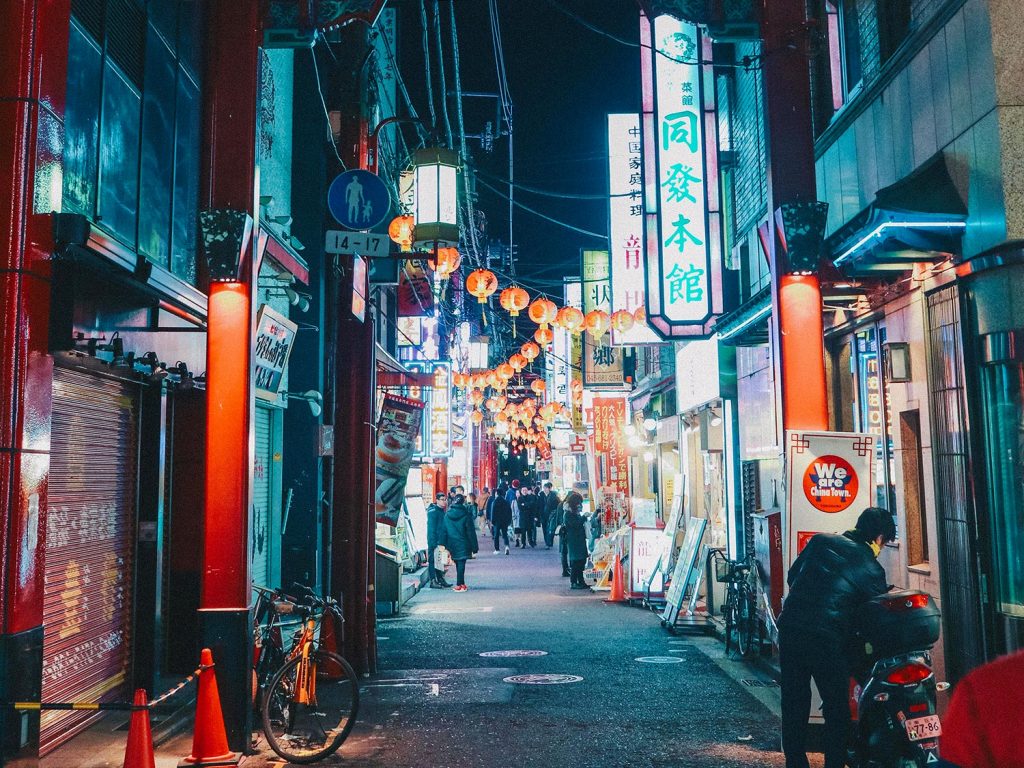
x=682 y=220
x=275 y=335
x=830 y=481
x=626 y=225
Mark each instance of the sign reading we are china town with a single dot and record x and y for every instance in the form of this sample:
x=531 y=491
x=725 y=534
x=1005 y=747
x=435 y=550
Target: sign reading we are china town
x=830 y=480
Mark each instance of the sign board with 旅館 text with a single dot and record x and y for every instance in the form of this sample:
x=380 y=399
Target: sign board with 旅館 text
x=275 y=336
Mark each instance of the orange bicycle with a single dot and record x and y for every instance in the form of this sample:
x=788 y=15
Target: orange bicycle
x=309 y=705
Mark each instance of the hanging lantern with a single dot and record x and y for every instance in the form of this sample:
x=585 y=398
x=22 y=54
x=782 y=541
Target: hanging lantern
x=622 y=321
x=529 y=403
x=597 y=323
x=529 y=350
x=435 y=196
x=518 y=362
x=501 y=417
x=477 y=417
x=446 y=262
x=460 y=379
x=514 y=300
x=505 y=371
x=476 y=397
x=538 y=386
x=491 y=404
x=543 y=311
x=640 y=315
x=502 y=402
x=400 y=230
x=545 y=336
x=570 y=318
x=481 y=283
x=492 y=379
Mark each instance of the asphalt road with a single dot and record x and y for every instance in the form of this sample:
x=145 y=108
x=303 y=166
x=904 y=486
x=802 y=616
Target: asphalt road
x=437 y=702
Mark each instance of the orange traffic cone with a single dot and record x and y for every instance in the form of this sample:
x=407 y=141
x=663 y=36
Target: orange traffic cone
x=209 y=740
x=618 y=594
x=138 y=752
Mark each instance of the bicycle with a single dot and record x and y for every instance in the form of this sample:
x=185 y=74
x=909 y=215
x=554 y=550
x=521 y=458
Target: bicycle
x=740 y=609
x=308 y=697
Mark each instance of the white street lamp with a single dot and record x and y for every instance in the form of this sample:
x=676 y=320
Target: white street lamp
x=435 y=202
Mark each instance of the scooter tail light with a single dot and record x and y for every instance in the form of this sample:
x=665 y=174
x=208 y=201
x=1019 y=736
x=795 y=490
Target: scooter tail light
x=908 y=674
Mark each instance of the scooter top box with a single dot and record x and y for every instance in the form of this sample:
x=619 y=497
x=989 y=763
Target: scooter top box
x=899 y=622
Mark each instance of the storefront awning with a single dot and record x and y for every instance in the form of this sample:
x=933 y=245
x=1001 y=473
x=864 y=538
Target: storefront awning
x=747 y=325
x=392 y=374
x=919 y=218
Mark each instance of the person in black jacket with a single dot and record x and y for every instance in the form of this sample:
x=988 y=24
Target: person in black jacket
x=530 y=506
x=458 y=535
x=501 y=517
x=832 y=576
x=435 y=521
x=575 y=539
x=549 y=514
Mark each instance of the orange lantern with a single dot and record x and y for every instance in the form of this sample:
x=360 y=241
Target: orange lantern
x=502 y=402
x=529 y=350
x=477 y=417
x=543 y=311
x=545 y=336
x=476 y=397
x=597 y=323
x=518 y=362
x=505 y=371
x=400 y=230
x=492 y=379
x=446 y=261
x=514 y=300
x=640 y=315
x=538 y=386
x=501 y=417
x=481 y=283
x=460 y=379
x=570 y=318
x=622 y=321
x=529 y=403
x=491 y=404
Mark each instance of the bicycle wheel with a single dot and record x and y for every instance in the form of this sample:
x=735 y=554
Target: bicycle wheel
x=305 y=733
x=730 y=613
x=744 y=621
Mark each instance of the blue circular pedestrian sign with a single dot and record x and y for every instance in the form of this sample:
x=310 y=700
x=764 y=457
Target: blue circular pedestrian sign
x=358 y=200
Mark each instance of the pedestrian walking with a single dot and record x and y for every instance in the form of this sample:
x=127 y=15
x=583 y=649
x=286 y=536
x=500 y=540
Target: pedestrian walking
x=576 y=539
x=483 y=500
x=435 y=522
x=529 y=504
x=549 y=514
x=563 y=548
x=517 y=517
x=458 y=535
x=501 y=518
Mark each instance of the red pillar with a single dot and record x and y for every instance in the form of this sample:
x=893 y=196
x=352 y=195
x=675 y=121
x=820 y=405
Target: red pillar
x=33 y=78
x=231 y=100
x=796 y=323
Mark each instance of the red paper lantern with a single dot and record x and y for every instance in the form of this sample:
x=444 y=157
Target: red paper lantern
x=518 y=362
x=400 y=230
x=570 y=318
x=623 y=321
x=514 y=300
x=446 y=262
x=529 y=350
x=543 y=336
x=543 y=311
x=481 y=283
x=597 y=323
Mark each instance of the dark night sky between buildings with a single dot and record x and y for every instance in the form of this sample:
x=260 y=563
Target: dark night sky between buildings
x=564 y=79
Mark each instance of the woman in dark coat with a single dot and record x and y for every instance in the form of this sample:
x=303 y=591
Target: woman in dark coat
x=575 y=539
x=458 y=536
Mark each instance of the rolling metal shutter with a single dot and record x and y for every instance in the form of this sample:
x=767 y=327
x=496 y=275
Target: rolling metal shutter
x=259 y=546
x=90 y=535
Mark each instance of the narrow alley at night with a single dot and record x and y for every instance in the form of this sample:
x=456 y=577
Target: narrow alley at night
x=483 y=383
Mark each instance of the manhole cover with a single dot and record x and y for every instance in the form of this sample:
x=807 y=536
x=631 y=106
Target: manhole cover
x=659 y=659
x=543 y=679
x=511 y=654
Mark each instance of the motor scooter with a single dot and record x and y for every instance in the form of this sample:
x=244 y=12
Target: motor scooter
x=896 y=723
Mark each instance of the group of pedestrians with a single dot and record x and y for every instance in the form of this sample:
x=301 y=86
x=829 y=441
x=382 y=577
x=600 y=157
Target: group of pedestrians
x=451 y=523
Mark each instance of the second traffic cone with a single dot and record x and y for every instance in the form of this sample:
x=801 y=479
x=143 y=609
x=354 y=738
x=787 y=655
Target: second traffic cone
x=138 y=752
x=209 y=740
x=618 y=594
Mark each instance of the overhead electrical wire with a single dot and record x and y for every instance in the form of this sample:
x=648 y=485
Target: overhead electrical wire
x=426 y=64
x=549 y=193
x=526 y=208
x=461 y=125
x=505 y=95
x=441 y=73
x=323 y=103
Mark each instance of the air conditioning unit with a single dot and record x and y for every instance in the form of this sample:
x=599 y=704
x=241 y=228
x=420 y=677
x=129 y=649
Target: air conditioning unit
x=725 y=20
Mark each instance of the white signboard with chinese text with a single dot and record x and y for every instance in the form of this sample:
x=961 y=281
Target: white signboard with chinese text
x=626 y=225
x=645 y=547
x=602 y=363
x=830 y=481
x=696 y=373
x=441 y=411
x=275 y=335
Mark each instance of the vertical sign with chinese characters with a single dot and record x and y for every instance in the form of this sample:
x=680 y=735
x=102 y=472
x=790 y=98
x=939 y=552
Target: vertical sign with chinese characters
x=574 y=298
x=441 y=411
x=626 y=225
x=602 y=363
x=610 y=457
x=681 y=203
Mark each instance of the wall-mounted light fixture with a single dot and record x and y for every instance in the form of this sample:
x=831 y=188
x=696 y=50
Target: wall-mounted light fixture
x=312 y=397
x=897 y=361
x=435 y=206
x=715 y=418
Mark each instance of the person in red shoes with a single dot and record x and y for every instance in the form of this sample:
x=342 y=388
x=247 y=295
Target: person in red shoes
x=982 y=729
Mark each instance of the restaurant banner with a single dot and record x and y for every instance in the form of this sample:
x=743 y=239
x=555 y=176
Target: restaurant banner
x=397 y=430
x=830 y=481
x=610 y=458
x=415 y=290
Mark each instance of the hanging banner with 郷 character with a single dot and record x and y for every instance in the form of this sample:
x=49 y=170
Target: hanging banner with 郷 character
x=397 y=430
x=610 y=458
x=602 y=363
x=626 y=226
x=830 y=481
x=415 y=290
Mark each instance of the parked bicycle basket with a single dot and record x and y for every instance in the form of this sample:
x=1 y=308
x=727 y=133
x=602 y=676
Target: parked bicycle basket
x=723 y=570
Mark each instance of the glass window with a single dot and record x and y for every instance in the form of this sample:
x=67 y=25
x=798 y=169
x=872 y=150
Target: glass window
x=157 y=146
x=119 y=155
x=186 y=180
x=872 y=412
x=841 y=27
x=1003 y=397
x=82 y=123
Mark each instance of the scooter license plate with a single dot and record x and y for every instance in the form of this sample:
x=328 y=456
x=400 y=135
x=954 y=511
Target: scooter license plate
x=921 y=728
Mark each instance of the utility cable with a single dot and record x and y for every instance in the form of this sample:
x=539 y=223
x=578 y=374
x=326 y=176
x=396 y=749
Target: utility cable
x=460 y=122
x=426 y=64
x=541 y=215
x=323 y=103
x=549 y=193
x=441 y=74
